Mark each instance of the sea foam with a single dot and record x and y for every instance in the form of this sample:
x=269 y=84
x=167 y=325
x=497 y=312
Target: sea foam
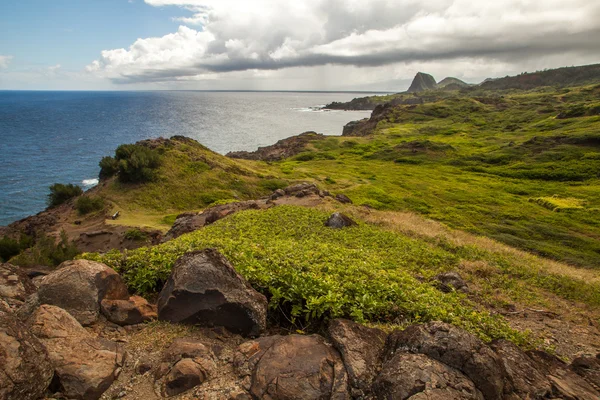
x=89 y=182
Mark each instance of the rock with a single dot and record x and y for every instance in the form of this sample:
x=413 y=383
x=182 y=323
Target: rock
x=184 y=223
x=417 y=376
x=525 y=379
x=455 y=348
x=361 y=349
x=80 y=286
x=282 y=149
x=185 y=364
x=422 y=82
x=302 y=189
x=352 y=127
x=85 y=366
x=292 y=367
x=342 y=198
x=205 y=289
x=25 y=371
x=128 y=312
x=450 y=281
x=338 y=220
x=15 y=285
x=277 y=194
x=565 y=383
x=143 y=365
x=588 y=367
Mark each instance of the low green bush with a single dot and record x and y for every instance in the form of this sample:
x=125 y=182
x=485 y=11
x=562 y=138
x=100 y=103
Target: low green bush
x=135 y=234
x=88 y=204
x=10 y=247
x=312 y=273
x=47 y=251
x=133 y=162
x=60 y=193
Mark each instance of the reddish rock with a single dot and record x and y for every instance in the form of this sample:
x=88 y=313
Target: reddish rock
x=128 y=312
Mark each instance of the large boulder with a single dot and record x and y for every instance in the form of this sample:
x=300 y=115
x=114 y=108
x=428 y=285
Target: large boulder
x=15 y=285
x=588 y=367
x=525 y=380
x=25 y=370
x=566 y=384
x=417 y=376
x=361 y=349
x=205 y=289
x=85 y=366
x=455 y=348
x=292 y=367
x=338 y=220
x=186 y=363
x=80 y=286
x=133 y=311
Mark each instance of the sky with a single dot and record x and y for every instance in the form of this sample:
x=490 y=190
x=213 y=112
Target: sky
x=369 y=45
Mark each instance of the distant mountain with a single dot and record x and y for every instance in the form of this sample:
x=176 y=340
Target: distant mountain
x=422 y=82
x=451 y=83
x=568 y=76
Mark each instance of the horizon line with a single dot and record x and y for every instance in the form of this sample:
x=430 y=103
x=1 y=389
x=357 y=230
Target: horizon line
x=203 y=90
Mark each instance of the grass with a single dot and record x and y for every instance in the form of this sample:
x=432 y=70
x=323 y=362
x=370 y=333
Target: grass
x=311 y=273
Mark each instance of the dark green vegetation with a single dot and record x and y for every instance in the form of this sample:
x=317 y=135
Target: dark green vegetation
x=311 y=273
x=135 y=234
x=60 y=193
x=134 y=163
x=87 y=204
x=10 y=247
x=47 y=251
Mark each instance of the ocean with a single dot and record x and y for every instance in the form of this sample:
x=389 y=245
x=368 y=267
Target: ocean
x=59 y=137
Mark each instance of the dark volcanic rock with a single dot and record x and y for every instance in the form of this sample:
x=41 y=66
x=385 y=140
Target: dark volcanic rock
x=301 y=189
x=85 y=366
x=455 y=348
x=133 y=311
x=292 y=367
x=417 y=376
x=79 y=286
x=361 y=349
x=342 y=198
x=566 y=384
x=284 y=148
x=25 y=370
x=185 y=364
x=588 y=367
x=205 y=289
x=422 y=82
x=351 y=127
x=449 y=281
x=525 y=380
x=338 y=220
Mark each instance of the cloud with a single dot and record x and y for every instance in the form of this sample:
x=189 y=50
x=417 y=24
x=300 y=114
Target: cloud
x=219 y=37
x=5 y=60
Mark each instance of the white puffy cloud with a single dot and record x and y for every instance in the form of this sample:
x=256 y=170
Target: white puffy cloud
x=5 y=60
x=218 y=37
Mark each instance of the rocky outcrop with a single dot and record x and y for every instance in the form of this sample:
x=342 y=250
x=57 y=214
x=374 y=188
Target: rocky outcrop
x=15 y=285
x=133 y=311
x=205 y=289
x=361 y=349
x=417 y=376
x=565 y=382
x=525 y=380
x=422 y=82
x=189 y=222
x=450 y=281
x=352 y=127
x=292 y=367
x=455 y=348
x=342 y=198
x=284 y=148
x=185 y=364
x=301 y=189
x=451 y=83
x=85 y=366
x=588 y=367
x=25 y=370
x=80 y=286
x=338 y=221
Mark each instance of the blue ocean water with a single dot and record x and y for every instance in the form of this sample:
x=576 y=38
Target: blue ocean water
x=50 y=137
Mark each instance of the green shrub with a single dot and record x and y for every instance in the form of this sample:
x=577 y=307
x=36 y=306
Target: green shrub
x=312 y=273
x=47 y=251
x=59 y=193
x=108 y=167
x=88 y=204
x=134 y=163
x=10 y=247
x=135 y=234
